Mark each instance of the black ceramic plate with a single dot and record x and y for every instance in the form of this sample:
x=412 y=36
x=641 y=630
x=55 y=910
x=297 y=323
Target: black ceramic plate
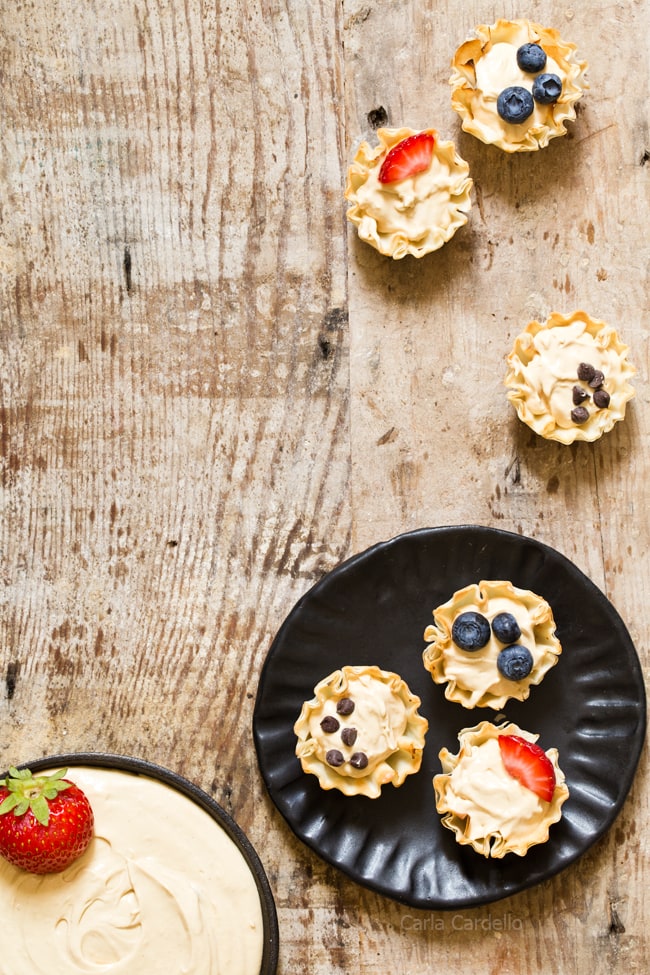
x=373 y=609
x=206 y=802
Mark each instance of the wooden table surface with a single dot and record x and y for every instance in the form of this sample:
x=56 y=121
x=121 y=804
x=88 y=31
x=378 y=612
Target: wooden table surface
x=213 y=392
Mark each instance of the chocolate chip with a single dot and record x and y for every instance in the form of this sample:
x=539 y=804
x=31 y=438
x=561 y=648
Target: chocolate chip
x=345 y=706
x=359 y=760
x=334 y=757
x=329 y=724
x=580 y=414
x=349 y=736
x=579 y=395
x=586 y=372
x=597 y=379
x=601 y=398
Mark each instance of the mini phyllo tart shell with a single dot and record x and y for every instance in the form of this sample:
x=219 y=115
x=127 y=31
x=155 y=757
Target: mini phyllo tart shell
x=486 y=65
x=474 y=677
x=568 y=377
x=360 y=731
x=484 y=804
x=414 y=215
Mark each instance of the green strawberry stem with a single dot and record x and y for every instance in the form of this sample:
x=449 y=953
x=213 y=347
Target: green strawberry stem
x=33 y=792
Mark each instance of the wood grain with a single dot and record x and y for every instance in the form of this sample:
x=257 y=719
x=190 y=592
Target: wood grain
x=212 y=392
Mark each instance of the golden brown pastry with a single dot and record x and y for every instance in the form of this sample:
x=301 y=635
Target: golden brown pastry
x=360 y=731
x=501 y=792
x=515 y=84
x=491 y=642
x=568 y=378
x=409 y=194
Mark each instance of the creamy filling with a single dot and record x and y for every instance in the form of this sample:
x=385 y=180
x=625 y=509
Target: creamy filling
x=498 y=69
x=412 y=206
x=379 y=718
x=478 y=669
x=161 y=890
x=493 y=801
x=473 y=677
x=552 y=372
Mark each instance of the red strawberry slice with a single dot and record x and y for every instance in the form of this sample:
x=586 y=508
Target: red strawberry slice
x=529 y=764
x=46 y=822
x=410 y=156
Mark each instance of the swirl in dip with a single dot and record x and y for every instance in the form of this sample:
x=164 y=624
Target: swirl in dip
x=161 y=890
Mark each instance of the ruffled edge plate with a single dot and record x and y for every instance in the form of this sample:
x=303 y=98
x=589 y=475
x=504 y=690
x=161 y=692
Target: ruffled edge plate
x=373 y=609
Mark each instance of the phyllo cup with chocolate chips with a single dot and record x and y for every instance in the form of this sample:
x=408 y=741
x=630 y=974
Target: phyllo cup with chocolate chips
x=360 y=731
x=568 y=378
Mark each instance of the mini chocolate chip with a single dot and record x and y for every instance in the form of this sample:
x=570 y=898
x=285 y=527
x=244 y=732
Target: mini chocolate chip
x=579 y=395
x=345 y=706
x=334 y=757
x=580 y=414
x=329 y=724
x=597 y=379
x=349 y=736
x=601 y=398
x=586 y=372
x=359 y=760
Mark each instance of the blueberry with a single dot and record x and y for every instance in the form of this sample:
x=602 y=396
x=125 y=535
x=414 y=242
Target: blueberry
x=515 y=662
x=547 y=88
x=506 y=628
x=515 y=104
x=470 y=631
x=531 y=58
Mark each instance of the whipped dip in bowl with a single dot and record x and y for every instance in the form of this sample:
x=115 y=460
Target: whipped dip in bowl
x=169 y=884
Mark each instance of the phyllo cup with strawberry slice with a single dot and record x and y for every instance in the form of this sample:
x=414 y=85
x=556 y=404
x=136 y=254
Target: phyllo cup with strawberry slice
x=409 y=194
x=501 y=792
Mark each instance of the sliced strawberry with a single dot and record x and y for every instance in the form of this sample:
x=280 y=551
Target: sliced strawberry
x=529 y=764
x=410 y=156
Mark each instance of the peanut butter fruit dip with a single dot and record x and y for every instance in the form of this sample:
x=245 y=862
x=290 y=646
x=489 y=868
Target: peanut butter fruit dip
x=486 y=65
x=161 y=890
x=485 y=806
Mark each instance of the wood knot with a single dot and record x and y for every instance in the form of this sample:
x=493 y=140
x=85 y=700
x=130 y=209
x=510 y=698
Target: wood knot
x=616 y=926
x=11 y=678
x=377 y=117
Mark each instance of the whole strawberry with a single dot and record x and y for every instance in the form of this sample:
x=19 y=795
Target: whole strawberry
x=46 y=822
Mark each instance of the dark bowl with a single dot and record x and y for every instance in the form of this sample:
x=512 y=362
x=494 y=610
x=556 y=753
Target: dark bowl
x=138 y=766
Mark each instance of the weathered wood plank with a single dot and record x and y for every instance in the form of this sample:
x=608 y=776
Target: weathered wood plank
x=436 y=442
x=212 y=392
